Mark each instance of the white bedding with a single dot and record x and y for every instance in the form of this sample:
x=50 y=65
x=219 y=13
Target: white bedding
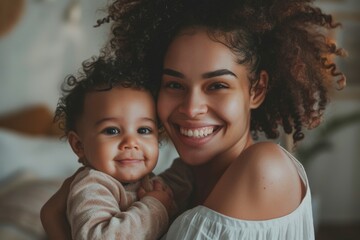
x=31 y=170
x=46 y=157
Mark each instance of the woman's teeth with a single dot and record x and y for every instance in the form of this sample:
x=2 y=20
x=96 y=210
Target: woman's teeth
x=198 y=132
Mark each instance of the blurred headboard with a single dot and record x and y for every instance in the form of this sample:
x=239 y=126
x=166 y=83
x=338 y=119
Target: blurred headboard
x=35 y=120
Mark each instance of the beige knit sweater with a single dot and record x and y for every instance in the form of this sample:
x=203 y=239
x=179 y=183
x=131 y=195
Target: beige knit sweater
x=100 y=207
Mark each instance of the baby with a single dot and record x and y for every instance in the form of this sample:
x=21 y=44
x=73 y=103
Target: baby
x=112 y=127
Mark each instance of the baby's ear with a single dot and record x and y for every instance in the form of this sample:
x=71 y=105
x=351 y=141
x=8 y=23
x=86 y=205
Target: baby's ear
x=76 y=144
x=258 y=91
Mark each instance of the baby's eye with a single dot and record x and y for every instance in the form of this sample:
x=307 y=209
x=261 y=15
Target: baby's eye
x=145 y=130
x=111 y=131
x=218 y=85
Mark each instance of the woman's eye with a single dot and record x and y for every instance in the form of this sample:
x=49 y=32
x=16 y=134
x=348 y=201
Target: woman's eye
x=111 y=131
x=145 y=130
x=174 y=85
x=219 y=85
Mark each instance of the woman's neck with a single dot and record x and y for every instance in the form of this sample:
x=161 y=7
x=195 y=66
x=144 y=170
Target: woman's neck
x=208 y=174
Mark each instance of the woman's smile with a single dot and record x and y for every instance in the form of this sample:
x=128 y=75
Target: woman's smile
x=197 y=132
x=196 y=136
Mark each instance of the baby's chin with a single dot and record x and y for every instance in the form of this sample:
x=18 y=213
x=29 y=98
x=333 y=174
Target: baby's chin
x=131 y=177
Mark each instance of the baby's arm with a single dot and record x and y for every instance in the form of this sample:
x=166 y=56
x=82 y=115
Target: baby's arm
x=94 y=211
x=176 y=182
x=156 y=188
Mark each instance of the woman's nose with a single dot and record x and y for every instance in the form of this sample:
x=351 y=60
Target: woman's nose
x=129 y=142
x=193 y=104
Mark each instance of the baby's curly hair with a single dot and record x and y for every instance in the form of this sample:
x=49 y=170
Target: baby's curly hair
x=288 y=39
x=97 y=74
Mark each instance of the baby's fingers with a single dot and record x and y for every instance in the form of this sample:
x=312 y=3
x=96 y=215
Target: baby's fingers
x=141 y=192
x=159 y=186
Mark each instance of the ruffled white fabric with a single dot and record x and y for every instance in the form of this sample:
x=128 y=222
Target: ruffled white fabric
x=203 y=223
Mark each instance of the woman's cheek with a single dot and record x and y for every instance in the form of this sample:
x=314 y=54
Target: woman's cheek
x=232 y=110
x=163 y=108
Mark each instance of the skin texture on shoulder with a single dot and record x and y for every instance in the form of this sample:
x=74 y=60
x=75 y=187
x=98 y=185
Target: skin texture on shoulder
x=261 y=184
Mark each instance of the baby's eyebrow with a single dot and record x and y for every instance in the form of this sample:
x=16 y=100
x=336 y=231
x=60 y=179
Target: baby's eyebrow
x=104 y=120
x=218 y=73
x=149 y=119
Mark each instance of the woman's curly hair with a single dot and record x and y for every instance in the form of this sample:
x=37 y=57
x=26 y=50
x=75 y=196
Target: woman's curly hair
x=97 y=74
x=286 y=38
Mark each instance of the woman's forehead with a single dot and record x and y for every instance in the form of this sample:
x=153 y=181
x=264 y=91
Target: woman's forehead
x=198 y=50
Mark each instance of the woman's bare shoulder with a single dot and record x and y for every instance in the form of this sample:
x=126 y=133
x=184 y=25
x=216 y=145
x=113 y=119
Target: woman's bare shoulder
x=263 y=183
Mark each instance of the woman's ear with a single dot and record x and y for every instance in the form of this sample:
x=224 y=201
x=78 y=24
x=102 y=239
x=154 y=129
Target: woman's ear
x=76 y=144
x=258 y=91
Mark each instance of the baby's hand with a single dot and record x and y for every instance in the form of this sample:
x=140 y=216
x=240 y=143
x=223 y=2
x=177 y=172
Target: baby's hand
x=161 y=193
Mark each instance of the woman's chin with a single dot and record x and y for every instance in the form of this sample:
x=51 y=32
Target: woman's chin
x=194 y=158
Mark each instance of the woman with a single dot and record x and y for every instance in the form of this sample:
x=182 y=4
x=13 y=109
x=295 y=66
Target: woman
x=229 y=70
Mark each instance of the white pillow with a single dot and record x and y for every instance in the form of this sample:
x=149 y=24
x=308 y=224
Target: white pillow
x=43 y=156
x=20 y=208
x=166 y=156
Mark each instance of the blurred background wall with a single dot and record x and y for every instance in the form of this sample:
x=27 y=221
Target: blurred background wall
x=50 y=40
x=335 y=172
x=52 y=37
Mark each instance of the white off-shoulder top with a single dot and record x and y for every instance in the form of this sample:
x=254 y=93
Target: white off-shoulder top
x=202 y=223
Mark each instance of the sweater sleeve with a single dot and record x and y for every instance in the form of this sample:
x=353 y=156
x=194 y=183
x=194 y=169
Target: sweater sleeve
x=94 y=210
x=180 y=179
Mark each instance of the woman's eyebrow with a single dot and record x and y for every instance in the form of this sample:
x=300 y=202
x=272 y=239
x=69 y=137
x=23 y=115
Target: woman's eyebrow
x=218 y=73
x=173 y=73
x=211 y=74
